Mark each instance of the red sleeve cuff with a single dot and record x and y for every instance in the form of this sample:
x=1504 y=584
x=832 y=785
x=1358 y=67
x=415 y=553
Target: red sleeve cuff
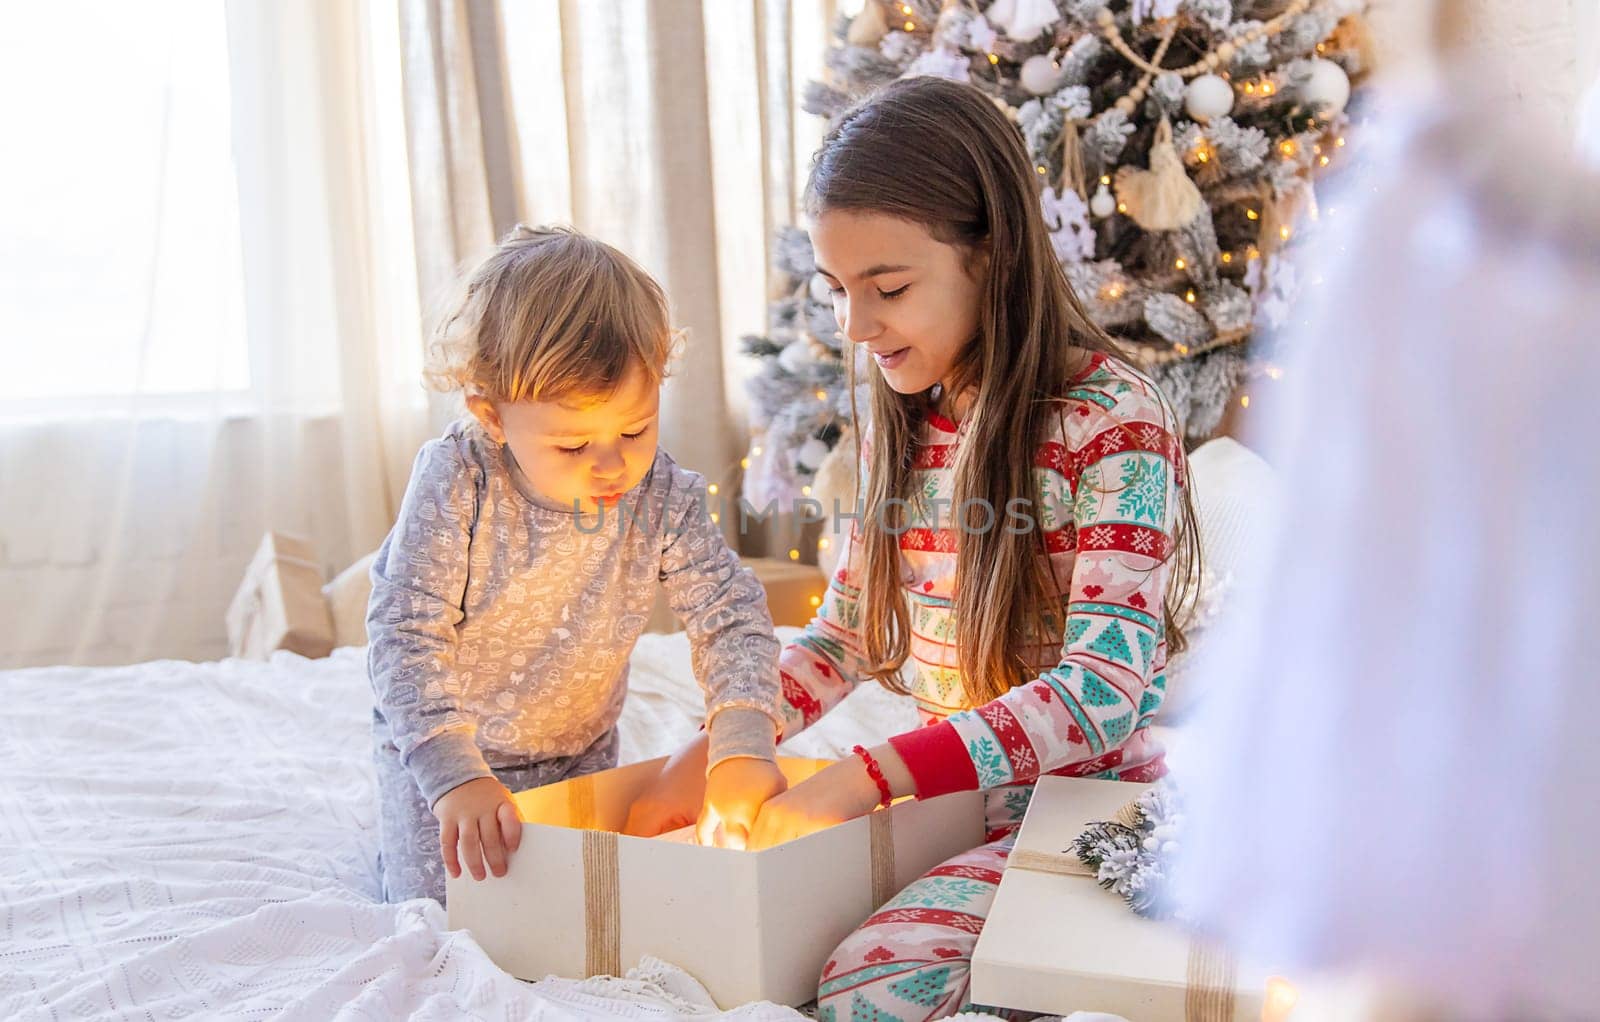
x=937 y=760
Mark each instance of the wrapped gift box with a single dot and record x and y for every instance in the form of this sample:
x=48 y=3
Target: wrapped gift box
x=794 y=592
x=1061 y=943
x=579 y=899
x=280 y=604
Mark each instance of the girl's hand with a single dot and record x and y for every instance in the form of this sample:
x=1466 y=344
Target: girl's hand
x=736 y=789
x=478 y=821
x=840 y=792
x=673 y=799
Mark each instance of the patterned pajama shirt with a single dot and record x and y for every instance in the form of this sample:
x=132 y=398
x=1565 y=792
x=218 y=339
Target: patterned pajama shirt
x=500 y=628
x=1109 y=478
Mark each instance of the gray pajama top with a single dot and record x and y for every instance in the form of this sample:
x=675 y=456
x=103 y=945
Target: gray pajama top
x=499 y=627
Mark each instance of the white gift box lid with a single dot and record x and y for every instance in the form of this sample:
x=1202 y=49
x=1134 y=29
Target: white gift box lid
x=1059 y=944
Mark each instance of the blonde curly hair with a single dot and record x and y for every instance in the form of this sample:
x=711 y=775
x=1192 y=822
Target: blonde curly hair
x=550 y=314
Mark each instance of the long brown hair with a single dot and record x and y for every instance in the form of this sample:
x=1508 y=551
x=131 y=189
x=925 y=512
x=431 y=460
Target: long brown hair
x=940 y=154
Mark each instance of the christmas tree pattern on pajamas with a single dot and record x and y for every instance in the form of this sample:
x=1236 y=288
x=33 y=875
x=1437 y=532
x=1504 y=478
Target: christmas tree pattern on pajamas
x=1109 y=480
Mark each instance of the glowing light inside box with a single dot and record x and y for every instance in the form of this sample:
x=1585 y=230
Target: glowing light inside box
x=1280 y=1000
x=719 y=837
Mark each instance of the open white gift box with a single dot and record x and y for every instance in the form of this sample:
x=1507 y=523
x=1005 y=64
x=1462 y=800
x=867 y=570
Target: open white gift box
x=579 y=899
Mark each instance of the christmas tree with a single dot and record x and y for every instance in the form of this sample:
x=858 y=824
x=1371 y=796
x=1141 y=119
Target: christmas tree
x=1178 y=144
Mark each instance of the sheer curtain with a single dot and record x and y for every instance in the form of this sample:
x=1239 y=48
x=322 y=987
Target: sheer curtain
x=221 y=248
x=672 y=130
x=209 y=315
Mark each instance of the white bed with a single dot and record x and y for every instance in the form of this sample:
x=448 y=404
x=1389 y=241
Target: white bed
x=185 y=840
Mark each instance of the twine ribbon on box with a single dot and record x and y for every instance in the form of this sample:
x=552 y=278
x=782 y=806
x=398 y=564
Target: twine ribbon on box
x=602 y=883
x=1211 y=975
x=602 y=876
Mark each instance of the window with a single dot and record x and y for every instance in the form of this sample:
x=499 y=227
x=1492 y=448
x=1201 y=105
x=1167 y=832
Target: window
x=120 y=268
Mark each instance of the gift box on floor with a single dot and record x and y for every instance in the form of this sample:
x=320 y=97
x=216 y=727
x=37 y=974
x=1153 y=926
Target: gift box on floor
x=1060 y=943
x=794 y=592
x=280 y=605
x=579 y=899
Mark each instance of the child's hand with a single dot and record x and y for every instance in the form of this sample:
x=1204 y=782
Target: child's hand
x=736 y=789
x=673 y=799
x=841 y=792
x=480 y=820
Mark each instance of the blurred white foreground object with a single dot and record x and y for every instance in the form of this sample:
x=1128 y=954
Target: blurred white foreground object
x=1398 y=768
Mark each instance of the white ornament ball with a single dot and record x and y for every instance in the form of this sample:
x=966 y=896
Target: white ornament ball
x=795 y=356
x=1327 y=87
x=1208 y=96
x=819 y=289
x=811 y=454
x=1104 y=203
x=1040 y=75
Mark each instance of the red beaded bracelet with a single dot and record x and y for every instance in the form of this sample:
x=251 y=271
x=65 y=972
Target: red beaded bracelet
x=885 y=796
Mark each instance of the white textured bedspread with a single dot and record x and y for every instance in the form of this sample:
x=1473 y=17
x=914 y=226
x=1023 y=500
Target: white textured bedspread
x=186 y=840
